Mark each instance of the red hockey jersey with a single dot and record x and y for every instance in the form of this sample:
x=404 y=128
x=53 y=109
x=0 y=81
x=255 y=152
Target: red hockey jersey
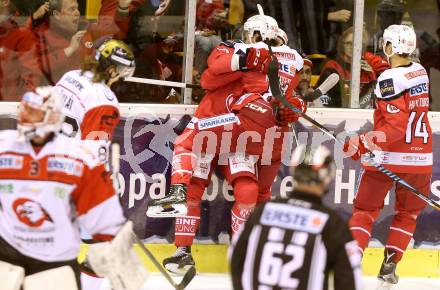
x=401 y=120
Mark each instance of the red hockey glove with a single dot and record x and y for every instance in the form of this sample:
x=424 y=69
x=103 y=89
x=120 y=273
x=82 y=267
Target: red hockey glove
x=376 y=62
x=286 y=115
x=358 y=145
x=257 y=59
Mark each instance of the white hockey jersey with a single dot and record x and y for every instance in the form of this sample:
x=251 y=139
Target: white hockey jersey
x=91 y=108
x=46 y=196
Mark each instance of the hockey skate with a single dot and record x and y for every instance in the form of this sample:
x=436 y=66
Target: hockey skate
x=387 y=274
x=180 y=262
x=172 y=205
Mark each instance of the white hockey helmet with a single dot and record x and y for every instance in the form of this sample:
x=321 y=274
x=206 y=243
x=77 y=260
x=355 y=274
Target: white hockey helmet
x=40 y=113
x=283 y=35
x=313 y=166
x=265 y=25
x=402 y=38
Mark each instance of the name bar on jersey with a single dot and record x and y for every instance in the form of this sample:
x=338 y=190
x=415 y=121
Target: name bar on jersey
x=11 y=162
x=65 y=165
x=396 y=158
x=213 y=122
x=293 y=218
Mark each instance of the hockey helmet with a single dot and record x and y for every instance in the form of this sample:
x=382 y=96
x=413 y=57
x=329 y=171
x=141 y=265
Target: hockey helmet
x=283 y=35
x=313 y=166
x=265 y=25
x=402 y=38
x=40 y=113
x=116 y=52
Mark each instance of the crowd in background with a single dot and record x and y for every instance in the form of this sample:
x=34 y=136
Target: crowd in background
x=41 y=40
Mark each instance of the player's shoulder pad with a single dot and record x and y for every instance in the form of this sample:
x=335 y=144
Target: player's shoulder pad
x=88 y=151
x=230 y=43
x=389 y=85
x=100 y=94
x=8 y=141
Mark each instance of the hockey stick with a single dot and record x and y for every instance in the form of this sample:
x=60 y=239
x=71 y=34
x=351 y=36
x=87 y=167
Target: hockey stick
x=274 y=85
x=187 y=278
x=326 y=86
x=189 y=275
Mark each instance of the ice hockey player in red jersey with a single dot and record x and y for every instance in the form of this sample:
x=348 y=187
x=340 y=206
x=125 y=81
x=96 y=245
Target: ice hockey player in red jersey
x=233 y=69
x=50 y=184
x=256 y=114
x=90 y=106
x=401 y=142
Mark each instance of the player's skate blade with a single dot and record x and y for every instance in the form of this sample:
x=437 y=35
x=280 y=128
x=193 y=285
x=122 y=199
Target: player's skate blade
x=172 y=205
x=180 y=262
x=387 y=276
x=175 y=210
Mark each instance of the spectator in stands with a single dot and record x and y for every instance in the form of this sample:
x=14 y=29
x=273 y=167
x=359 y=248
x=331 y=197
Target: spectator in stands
x=19 y=70
x=304 y=87
x=339 y=95
x=64 y=43
x=156 y=61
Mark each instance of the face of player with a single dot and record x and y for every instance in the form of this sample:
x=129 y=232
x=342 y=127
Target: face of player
x=305 y=77
x=68 y=17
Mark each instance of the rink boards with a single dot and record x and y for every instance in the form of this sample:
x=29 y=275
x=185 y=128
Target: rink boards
x=213 y=259
x=145 y=170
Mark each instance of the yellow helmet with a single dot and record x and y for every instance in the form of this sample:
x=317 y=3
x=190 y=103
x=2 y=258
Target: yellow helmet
x=116 y=52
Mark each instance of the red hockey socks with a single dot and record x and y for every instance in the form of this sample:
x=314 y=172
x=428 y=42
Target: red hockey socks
x=400 y=234
x=361 y=224
x=245 y=193
x=182 y=166
x=186 y=227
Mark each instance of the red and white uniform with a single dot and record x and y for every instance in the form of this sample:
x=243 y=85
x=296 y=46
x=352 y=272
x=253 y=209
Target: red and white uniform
x=45 y=196
x=91 y=108
x=402 y=99
x=401 y=115
x=224 y=85
x=248 y=175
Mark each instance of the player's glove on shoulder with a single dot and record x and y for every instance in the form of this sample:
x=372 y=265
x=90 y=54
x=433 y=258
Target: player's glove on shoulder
x=255 y=59
x=286 y=115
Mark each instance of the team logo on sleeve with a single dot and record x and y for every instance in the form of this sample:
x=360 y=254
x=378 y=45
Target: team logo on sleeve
x=386 y=88
x=30 y=212
x=392 y=109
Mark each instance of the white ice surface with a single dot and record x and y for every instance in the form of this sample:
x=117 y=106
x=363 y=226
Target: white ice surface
x=222 y=282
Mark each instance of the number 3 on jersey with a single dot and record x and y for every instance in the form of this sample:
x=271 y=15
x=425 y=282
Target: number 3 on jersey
x=418 y=130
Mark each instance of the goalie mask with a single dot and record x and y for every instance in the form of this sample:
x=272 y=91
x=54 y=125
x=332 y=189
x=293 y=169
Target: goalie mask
x=40 y=113
x=313 y=167
x=116 y=52
x=402 y=39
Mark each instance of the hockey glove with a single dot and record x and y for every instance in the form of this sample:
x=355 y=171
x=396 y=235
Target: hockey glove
x=255 y=59
x=286 y=115
x=358 y=145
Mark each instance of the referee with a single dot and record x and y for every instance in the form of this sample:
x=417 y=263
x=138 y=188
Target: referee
x=295 y=243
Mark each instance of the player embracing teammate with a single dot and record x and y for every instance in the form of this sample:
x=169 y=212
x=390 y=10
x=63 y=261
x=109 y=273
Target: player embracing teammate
x=237 y=105
x=402 y=143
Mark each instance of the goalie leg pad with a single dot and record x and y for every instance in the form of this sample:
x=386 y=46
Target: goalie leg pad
x=118 y=261
x=11 y=276
x=53 y=279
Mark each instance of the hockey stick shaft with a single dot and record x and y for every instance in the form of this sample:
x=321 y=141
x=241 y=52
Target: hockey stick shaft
x=276 y=92
x=189 y=275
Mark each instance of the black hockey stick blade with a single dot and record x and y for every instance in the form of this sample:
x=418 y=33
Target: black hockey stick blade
x=187 y=278
x=274 y=84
